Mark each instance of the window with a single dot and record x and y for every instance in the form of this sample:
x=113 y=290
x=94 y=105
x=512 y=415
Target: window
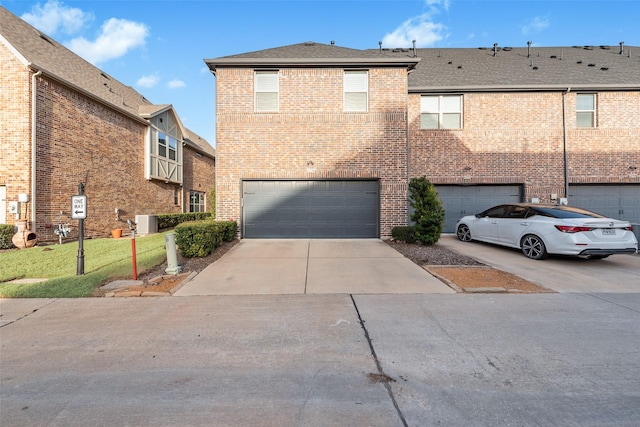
x=196 y=201
x=441 y=112
x=266 y=91
x=164 y=149
x=356 y=90
x=586 y=110
x=176 y=196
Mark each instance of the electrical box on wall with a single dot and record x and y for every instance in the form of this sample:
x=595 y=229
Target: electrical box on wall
x=23 y=198
x=14 y=208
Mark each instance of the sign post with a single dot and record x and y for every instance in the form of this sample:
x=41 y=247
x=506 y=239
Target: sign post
x=79 y=212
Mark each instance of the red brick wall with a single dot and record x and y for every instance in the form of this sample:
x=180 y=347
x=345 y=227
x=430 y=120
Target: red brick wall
x=311 y=137
x=15 y=127
x=81 y=140
x=518 y=138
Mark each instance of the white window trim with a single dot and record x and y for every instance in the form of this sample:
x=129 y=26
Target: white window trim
x=202 y=201
x=441 y=112
x=163 y=168
x=260 y=88
x=355 y=85
x=593 y=111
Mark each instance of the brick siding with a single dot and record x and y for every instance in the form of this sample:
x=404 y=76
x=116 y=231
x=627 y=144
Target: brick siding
x=311 y=137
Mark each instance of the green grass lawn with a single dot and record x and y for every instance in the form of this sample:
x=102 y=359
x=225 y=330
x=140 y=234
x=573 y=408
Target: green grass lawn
x=104 y=260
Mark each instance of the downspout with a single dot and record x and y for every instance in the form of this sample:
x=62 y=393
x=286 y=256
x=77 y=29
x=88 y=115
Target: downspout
x=564 y=143
x=34 y=94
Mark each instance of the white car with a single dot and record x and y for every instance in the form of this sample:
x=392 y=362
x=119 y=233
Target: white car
x=540 y=229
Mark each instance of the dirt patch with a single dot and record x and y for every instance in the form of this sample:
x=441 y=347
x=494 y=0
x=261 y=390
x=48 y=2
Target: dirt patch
x=483 y=279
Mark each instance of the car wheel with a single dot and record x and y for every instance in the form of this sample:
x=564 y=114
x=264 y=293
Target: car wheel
x=464 y=233
x=533 y=247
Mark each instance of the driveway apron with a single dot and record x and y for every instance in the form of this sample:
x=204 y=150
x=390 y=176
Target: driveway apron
x=310 y=266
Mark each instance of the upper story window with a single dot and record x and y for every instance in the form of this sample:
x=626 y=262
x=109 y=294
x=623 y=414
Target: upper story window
x=441 y=112
x=266 y=91
x=164 y=149
x=586 y=110
x=356 y=90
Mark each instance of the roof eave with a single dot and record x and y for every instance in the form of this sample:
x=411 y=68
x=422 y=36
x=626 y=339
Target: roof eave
x=214 y=64
x=524 y=88
x=85 y=92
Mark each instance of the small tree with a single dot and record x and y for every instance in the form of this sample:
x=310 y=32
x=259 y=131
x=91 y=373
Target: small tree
x=428 y=212
x=212 y=202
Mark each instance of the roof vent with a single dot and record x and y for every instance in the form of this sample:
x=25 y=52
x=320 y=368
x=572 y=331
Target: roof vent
x=604 y=68
x=495 y=49
x=591 y=65
x=621 y=48
x=528 y=49
x=333 y=42
x=309 y=43
x=380 y=45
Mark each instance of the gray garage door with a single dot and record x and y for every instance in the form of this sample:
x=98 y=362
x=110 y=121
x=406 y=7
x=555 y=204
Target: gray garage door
x=461 y=200
x=616 y=201
x=310 y=209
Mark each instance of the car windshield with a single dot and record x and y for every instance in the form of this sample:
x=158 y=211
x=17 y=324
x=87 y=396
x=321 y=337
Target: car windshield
x=566 y=212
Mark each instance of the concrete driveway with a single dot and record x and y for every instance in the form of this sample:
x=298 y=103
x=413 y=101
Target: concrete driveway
x=618 y=273
x=310 y=266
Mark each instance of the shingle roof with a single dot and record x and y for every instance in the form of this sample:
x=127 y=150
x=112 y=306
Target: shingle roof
x=469 y=69
x=40 y=52
x=310 y=54
x=540 y=68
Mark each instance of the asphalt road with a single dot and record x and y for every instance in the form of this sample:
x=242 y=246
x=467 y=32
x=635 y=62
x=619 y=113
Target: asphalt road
x=565 y=359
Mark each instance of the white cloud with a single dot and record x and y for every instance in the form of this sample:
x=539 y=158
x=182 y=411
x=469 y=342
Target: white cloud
x=421 y=29
x=116 y=38
x=176 y=84
x=148 y=81
x=535 y=25
x=55 y=16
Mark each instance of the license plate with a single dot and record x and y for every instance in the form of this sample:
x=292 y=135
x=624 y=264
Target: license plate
x=608 y=232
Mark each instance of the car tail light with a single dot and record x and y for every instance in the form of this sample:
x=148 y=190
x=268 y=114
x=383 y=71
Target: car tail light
x=572 y=228
x=629 y=228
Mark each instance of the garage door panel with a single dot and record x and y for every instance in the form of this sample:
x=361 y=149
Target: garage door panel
x=304 y=209
x=460 y=200
x=621 y=201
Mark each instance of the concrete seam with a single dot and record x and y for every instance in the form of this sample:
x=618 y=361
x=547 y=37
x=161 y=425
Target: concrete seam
x=306 y=271
x=28 y=314
x=387 y=386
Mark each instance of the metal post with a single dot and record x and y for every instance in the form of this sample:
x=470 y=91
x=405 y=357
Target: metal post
x=133 y=254
x=80 y=269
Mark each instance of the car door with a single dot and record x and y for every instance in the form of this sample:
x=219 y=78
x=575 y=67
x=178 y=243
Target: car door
x=513 y=225
x=485 y=227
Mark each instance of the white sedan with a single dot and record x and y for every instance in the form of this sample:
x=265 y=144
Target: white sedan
x=540 y=229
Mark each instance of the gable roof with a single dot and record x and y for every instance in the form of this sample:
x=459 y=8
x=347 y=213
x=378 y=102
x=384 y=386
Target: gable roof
x=536 y=68
x=310 y=54
x=38 y=51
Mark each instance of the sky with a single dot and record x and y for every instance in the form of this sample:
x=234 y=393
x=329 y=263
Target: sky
x=158 y=46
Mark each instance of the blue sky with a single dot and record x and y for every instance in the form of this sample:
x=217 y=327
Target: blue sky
x=158 y=46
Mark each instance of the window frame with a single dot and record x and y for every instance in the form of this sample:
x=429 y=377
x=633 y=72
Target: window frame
x=200 y=203
x=351 y=86
x=262 y=86
x=163 y=152
x=442 y=111
x=592 y=112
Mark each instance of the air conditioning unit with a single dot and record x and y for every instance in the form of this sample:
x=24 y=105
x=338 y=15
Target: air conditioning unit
x=146 y=224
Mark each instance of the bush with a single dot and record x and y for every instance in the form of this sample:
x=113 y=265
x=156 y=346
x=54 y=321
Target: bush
x=6 y=233
x=200 y=238
x=171 y=220
x=428 y=212
x=403 y=234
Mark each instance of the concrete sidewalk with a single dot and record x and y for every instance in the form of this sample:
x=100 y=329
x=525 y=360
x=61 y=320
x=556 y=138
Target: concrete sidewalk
x=309 y=266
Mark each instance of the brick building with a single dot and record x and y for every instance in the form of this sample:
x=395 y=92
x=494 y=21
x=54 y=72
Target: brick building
x=64 y=121
x=317 y=140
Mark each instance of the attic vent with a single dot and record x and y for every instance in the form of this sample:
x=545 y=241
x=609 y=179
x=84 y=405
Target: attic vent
x=105 y=76
x=309 y=44
x=591 y=65
x=45 y=38
x=604 y=68
x=459 y=67
x=507 y=49
x=450 y=62
x=579 y=62
x=553 y=56
x=605 y=47
x=588 y=47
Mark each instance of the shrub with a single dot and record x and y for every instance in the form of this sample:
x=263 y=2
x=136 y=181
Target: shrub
x=428 y=212
x=6 y=233
x=171 y=220
x=200 y=238
x=403 y=233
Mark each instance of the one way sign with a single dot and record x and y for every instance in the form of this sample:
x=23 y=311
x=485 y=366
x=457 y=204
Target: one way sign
x=78 y=207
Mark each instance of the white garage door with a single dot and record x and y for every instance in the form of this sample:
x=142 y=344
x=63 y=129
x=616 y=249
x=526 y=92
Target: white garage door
x=461 y=200
x=615 y=201
x=310 y=209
